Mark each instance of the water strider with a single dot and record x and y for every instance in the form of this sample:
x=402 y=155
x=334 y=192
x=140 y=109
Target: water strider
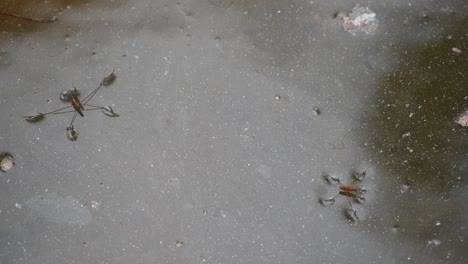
x=72 y=96
x=352 y=192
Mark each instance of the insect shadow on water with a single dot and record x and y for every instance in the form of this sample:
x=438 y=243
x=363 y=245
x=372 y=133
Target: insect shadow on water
x=342 y=143
x=72 y=97
x=352 y=192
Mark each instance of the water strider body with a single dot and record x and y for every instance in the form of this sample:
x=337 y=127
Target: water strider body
x=72 y=96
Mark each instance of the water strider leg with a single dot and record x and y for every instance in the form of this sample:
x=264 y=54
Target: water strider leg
x=37 y=20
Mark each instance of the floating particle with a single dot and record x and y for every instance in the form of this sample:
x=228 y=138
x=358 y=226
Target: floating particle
x=359 y=20
x=406 y=135
x=108 y=111
x=95 y=205
x=179 y=243
x=316 y=111
x=456 y=50
x=434 y=242
x=6 y=162
x=395 y=228
x=277 y=97
x=17 y=205
x=109 y=79
x=462 y=119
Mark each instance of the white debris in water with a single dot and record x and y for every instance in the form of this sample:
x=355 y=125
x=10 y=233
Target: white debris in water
x=404 y=188
x=434 y=242
x=17 y=205
x=462 y=119
x=95 y=205
x=6 y=162
x=360 y=19
x=456 y=50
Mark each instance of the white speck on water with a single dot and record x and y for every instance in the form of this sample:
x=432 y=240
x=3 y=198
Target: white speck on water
x=95 y=205
x=434 y=242
x=17 y=205
x=456 y=50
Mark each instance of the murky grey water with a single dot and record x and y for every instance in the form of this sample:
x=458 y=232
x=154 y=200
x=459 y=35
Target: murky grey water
x=60 y=210
x=230 y=114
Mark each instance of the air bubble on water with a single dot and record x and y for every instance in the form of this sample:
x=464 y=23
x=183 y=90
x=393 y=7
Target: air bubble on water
x=6 y=161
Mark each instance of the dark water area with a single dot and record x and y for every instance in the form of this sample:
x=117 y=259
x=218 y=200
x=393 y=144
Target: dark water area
x=411 y=132
x=412 y=123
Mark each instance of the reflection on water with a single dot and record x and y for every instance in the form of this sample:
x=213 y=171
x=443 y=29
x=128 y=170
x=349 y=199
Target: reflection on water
x=412 y=124
x=412 y=134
